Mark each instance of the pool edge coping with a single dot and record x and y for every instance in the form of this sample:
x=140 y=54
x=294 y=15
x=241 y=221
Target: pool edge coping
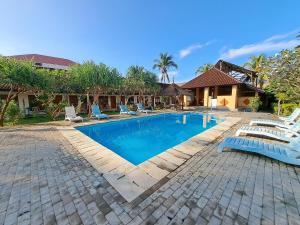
x=129 y=180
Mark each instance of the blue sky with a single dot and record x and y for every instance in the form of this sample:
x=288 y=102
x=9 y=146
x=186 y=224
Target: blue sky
x=121 y=33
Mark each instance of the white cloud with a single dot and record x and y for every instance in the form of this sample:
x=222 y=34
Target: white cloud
x=187 y=51
x=274 y=43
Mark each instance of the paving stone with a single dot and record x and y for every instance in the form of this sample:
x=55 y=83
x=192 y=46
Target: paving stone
x=45 y=180
x=99 y=219
x=112 y=218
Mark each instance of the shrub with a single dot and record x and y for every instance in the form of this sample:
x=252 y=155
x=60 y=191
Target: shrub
x=286 y=108
x=13 y=112
x=55 y=109
x=255 y=103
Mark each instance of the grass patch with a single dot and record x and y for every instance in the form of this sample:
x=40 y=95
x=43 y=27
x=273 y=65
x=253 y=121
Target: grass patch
x=112 y=112
x=33 y=120
x=36 y=119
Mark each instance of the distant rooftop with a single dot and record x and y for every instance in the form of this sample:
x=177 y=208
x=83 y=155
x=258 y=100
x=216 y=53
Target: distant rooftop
x=46 y=61
x=181 y=84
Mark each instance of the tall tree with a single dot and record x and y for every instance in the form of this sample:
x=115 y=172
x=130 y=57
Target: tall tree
x=285 y=73
x=139 y=80
x=204 y=68
x=258 y=64
x=164 y=63
x=96 y=79
x=18 y=77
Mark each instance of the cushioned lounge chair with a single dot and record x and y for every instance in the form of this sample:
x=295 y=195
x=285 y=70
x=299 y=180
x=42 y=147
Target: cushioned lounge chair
x=287 y=153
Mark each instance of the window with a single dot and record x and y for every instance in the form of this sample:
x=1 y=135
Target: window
x=225 y=90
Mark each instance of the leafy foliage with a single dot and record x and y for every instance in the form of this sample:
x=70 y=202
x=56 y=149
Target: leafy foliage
x=255 y=103
x=164 y=63
x=259 y=65
x=95 y=79
x=204 y=68
x=18 y=77
x=285 y=72
x=13 y=113
x=139 y=81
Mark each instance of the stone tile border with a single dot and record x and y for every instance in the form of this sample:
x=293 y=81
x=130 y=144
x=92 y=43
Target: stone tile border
x=130 y=180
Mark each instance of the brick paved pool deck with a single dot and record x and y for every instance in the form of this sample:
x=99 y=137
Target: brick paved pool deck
x=44 y=180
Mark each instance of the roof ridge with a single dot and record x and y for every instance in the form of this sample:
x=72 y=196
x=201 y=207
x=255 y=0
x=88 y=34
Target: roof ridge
x=36 y=54
x=228 y=75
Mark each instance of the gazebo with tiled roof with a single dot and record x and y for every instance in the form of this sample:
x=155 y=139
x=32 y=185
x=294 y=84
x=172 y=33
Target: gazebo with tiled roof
x=231 y=86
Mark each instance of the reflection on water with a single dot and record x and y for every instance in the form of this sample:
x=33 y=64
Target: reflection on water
x=184 y=119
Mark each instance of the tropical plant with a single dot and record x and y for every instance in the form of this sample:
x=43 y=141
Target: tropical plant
x=164 y=63
x=139 y=81
x=285 y=69
x=18 y=77
x=13 y=112
x=258 y=64
x=255 y=103
x=95 y=79
x=204 y=68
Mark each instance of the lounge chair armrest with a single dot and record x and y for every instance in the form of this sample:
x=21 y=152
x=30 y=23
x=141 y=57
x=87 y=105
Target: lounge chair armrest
x=286 y=130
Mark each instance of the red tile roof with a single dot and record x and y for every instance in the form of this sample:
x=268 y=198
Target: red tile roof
x=45 y=59
x=213 y=77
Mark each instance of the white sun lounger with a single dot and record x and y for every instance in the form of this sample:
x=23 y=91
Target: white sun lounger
x=287 y=153
x=70 y=114
x=124 y=110
x=286 y=135
x=275 y=123
x=96 y=112
x=284 y=122
x=141 y=108
x=294 y=115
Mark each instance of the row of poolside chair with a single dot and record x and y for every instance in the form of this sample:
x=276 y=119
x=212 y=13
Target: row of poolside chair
x=71 y=115
x=140 y=108
x=287 y=132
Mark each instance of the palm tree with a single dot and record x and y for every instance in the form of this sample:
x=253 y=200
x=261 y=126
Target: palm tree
x=204 y=68
x=256 y=63
x=164 y=63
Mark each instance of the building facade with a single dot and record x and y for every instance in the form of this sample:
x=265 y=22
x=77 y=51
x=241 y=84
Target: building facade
x=171 y=94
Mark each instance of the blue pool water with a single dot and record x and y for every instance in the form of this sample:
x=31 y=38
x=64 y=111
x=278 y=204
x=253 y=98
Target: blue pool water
x=139 y=139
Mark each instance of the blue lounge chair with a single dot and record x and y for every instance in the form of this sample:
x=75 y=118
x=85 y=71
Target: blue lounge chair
x=141 y=108
x=286 y=135
x=96 y=112
x=124 y=110
x=287 y=153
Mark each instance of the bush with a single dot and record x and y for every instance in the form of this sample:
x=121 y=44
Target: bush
x=13 y=112
x=255 y=103
x=55 y=109
x=286 y=108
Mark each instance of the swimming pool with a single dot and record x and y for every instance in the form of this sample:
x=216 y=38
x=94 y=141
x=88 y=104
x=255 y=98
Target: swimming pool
x=139 y=139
